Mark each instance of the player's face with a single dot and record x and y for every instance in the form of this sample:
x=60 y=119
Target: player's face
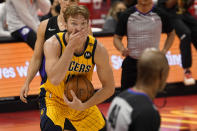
x=65 y=3
x=76 y=24
x=144 y=2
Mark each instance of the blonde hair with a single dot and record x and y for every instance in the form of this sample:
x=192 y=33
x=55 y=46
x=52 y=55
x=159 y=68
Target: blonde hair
x=76 y=10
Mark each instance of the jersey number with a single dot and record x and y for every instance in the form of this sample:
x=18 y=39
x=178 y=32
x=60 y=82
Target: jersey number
x=113 y=115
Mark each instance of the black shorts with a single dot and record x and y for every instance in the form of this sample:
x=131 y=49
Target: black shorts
x=129 y=73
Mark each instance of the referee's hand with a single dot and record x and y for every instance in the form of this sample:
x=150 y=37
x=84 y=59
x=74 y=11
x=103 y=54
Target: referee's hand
x=125 y=52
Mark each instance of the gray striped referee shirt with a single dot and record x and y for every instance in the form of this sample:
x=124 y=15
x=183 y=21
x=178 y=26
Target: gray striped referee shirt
x=133 y=111
x=142 y=30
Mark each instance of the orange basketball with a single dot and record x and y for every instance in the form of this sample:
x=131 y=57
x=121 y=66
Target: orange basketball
x=81 y=86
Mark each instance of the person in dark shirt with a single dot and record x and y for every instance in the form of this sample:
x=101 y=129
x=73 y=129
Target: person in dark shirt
x=185 y=26
x=133 y=109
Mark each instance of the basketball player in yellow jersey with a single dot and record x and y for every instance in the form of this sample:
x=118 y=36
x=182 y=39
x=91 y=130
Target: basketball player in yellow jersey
x=74 y=53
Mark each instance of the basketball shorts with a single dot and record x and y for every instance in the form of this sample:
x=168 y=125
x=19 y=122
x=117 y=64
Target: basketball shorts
x=54 y=113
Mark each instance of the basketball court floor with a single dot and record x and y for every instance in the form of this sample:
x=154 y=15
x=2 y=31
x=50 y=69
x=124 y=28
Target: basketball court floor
x=179 y=114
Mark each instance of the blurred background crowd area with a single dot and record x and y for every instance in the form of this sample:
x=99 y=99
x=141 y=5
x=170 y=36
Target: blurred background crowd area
x=103 y=13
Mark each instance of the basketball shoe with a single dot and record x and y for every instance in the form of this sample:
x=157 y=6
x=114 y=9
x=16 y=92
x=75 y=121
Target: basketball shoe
x=188 y=80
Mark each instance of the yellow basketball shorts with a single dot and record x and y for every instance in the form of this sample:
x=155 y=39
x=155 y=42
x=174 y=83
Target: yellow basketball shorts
x=57 y=111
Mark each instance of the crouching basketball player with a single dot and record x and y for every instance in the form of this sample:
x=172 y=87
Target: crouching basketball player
x=68 y=54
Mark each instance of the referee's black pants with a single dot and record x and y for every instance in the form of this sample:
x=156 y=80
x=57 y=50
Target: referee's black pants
x=186 y=28
x=129 y=73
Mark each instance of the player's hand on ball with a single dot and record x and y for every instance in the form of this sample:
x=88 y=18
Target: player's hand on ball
x=75 y=103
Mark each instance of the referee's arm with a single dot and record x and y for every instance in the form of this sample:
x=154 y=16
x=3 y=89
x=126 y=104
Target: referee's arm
x=121 y=29
x=169 y=41
x=118 y=43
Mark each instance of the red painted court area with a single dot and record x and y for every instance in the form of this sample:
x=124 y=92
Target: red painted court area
x=179 y=114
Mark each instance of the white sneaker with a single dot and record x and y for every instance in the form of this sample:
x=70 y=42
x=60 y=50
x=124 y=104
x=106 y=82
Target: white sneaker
x=188 y=80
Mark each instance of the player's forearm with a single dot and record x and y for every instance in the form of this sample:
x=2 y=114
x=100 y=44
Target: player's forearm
x=100 y=96
x=32 y=69
x=118 y=43
x=169 y=41
x=58 y=72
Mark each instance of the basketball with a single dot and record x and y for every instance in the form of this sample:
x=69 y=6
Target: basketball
x=81 y=86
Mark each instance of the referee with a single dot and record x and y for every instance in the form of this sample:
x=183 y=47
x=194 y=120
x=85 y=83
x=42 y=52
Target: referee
x=133 y=109
x=143 y=24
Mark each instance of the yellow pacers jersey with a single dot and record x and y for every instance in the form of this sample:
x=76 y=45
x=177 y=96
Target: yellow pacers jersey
x=81 y=64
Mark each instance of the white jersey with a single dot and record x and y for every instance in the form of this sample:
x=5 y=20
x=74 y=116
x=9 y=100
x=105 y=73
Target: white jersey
x=3 y=31
x=22 y=13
